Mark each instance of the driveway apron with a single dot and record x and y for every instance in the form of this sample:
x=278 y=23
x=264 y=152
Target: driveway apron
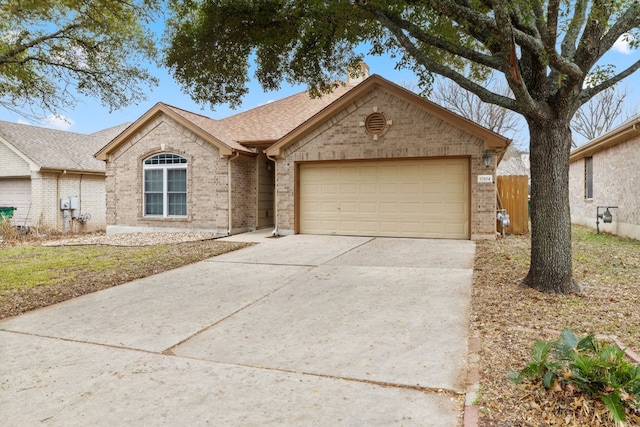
x=297 y=330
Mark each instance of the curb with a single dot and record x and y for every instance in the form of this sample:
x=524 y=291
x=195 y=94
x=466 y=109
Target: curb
x=470 y=414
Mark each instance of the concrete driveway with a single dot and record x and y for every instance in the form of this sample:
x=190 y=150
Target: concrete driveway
x=299 y=330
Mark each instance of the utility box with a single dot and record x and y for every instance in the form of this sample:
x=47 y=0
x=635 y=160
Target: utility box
x=74 y=202
x=65 y=203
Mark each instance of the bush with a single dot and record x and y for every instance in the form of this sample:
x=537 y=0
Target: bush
x=7 y=231
x=595 y=369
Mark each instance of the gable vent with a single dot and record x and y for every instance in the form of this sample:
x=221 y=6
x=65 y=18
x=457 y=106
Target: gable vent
x=375 y=123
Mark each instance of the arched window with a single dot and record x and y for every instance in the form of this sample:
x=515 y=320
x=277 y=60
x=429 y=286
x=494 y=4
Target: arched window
x=165 y=185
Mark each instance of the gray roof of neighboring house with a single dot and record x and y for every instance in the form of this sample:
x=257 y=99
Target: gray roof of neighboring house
x=56 y=149
x=109 y=133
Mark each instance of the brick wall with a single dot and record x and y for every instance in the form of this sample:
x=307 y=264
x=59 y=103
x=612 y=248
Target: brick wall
x=414 y=133
x=616 y=179
x=207 y=176
x=12 y=165
x=244 y=194
x=90 y=190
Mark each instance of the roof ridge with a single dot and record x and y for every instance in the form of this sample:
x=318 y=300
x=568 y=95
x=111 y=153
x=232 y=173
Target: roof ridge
x=188 y=111
x=44 y=128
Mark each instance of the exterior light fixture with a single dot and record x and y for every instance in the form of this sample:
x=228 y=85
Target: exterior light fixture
x=605 y=216
x=487 y=158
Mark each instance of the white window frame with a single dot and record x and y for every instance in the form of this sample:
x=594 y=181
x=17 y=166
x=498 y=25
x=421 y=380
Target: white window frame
x=165 y=192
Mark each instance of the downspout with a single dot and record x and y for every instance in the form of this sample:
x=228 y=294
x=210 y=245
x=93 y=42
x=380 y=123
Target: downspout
x=64 y=211
x=229 y=210
x=275 y=194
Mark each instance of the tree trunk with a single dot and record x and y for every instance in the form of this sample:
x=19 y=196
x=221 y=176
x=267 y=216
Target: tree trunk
x=551 y=267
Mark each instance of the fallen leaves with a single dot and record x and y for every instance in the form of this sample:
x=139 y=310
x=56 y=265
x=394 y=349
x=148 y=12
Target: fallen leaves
x=510 y=319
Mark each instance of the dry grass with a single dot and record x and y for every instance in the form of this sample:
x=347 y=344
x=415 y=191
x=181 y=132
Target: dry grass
x=509 y=319
x=37 y=276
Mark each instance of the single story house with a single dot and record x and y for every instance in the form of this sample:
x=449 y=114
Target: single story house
x=606 y=172
x=40 y=166
x=371 y=159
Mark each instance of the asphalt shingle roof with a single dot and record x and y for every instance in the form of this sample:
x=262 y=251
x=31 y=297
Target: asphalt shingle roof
x=215 y=128
x=56 y=149
x=272 y=121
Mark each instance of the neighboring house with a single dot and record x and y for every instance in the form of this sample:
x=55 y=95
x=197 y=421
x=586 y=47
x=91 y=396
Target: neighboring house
x=40 y=166
x=606 y=172
x=370 y=159
x=516 y=165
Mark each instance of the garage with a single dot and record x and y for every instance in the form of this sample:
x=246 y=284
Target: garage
x=16 y=192
x=402 y=198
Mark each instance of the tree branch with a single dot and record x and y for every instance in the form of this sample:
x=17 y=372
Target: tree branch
x=568 y=44
x=588 y=93
x=479 y=90
x=417 y=33
x=551 y=35
x=24 y=47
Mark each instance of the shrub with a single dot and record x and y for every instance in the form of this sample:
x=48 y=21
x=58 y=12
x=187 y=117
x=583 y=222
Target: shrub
x=596 y=369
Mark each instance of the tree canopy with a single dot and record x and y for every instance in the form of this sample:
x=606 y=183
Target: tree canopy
x=53 y=51
x=547 y=52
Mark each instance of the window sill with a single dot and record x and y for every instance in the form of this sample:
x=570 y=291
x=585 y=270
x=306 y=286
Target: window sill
x=166 y=219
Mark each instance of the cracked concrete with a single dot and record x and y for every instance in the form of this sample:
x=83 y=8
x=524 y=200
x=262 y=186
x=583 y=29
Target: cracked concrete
x=299 y=330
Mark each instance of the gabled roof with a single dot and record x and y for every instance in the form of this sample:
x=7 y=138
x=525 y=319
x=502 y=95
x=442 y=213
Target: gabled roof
x=212 y=131
x=492 y=140
x=262 y=125
x=614 y=137
x=51 y=149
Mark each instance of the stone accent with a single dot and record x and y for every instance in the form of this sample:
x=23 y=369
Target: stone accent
x=616 y=178
x=414 y=133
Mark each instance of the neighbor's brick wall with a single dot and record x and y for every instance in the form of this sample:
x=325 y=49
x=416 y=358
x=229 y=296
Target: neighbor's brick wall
x=44 y=200
x=616 y=179
x=207 y=175
x=91 y=192
x=12 y=165
x=48 y=188
x=414 y=133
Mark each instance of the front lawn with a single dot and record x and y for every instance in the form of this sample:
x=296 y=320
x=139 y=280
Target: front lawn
x=34 y=276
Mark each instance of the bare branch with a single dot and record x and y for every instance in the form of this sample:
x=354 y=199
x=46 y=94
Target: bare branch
x=601 y=114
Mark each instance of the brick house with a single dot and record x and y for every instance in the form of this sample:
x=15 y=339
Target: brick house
x=39 y=166
x=372 y=158
x=605 y=172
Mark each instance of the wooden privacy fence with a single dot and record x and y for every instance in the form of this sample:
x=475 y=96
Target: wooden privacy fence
x=513 y=195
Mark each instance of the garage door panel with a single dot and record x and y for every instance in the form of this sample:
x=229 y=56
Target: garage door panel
x=412 y=198
x=16 y=192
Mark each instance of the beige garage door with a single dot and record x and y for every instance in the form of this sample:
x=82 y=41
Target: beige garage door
x=16 y=192
x=404 y=198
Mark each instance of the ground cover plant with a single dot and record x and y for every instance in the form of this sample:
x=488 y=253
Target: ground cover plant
x=509 y=320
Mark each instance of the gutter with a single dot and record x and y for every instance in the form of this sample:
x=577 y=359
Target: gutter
x=609 y=139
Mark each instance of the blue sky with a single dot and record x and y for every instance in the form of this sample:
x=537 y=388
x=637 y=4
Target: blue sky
x=89 y=116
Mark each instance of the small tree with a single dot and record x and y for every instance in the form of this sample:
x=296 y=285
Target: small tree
x=53 y=51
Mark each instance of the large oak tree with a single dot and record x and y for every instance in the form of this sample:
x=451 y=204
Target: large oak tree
x=52 y=52
x=544 y=51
